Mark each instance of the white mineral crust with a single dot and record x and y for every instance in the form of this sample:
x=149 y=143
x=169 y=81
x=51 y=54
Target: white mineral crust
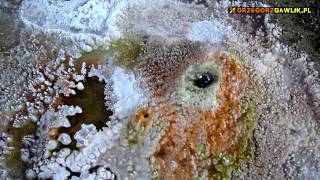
x=83 y=136
x=64 y=138
x=89 y=22
x=129 y=95
x=52 y=144
x=80 y=86
x=59 y=118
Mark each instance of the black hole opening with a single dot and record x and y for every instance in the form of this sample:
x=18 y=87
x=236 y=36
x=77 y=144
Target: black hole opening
x=203 y=80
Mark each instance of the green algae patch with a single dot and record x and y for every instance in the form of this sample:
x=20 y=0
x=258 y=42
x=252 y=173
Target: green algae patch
x=12 y=161
x=139 y=127
x=225 y=164
x=242 y=152
x=125 y=50
x=133 y=134
x=91 y=100
x=94 y=57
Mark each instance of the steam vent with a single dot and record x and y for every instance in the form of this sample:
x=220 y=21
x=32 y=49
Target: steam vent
x=164 y=90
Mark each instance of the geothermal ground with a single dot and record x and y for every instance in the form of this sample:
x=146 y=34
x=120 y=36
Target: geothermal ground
x=143 y=89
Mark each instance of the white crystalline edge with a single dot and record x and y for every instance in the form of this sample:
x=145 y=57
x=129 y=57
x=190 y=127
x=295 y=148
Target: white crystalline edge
x=129 y=96
x=101 y=18
x=99 y=143
x=212 y=31
x=64 y=138
x=59 y=118
x=93 y=19
x=52 y=144
x=83 y=135
x=124 y=87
